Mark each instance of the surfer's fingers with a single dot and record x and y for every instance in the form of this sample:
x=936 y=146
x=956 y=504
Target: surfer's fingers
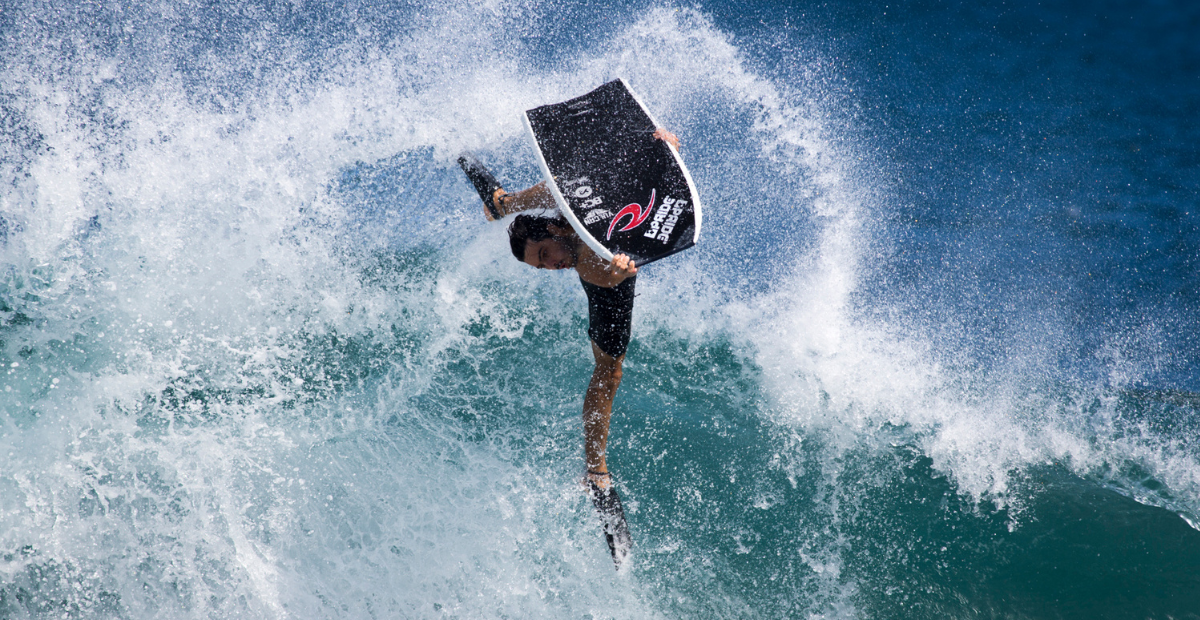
x=668 y=137
x=622 y=264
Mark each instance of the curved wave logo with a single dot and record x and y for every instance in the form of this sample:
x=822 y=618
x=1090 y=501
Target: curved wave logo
x=635 y=211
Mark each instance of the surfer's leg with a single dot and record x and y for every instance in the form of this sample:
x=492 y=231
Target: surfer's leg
x=536 y=197
x=485 y=184
x=597 y=411
x=498 y=203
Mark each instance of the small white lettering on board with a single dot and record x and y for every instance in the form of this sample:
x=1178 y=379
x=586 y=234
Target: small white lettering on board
x=580 y=107
x=669 y=224
x=595 y=215
x=580 y=187
x=590 y=203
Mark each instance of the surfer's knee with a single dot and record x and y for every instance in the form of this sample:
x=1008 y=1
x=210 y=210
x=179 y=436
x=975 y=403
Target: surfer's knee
x=614 y=374
x=607 y=379
x=608 y=368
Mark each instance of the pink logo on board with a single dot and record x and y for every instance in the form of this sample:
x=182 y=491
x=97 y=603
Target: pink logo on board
x=634 y=211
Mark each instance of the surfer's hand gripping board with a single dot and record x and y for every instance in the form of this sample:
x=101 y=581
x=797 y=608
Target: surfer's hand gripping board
x=668 y=137
x=622 y=267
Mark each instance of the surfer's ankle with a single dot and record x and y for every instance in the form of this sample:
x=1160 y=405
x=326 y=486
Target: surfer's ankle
x=500 y=199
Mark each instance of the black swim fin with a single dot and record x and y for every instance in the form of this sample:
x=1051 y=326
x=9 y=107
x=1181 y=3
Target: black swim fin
x=484 y=183
x=612 y=517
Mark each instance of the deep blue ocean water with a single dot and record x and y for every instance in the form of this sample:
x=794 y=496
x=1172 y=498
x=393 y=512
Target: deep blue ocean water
x=935 y=356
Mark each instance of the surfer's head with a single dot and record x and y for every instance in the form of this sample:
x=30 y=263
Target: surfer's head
x=542 y=242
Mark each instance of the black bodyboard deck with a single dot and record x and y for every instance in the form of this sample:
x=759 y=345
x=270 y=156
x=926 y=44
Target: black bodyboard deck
x=623 y=190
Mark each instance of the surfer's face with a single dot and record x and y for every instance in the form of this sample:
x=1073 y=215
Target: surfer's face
x=551 y=253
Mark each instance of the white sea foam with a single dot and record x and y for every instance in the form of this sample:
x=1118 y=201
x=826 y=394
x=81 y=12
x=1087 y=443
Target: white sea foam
x=189 y=433
x=174 y=425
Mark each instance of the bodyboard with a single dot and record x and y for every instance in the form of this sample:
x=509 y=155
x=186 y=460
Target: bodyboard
x=623 y=190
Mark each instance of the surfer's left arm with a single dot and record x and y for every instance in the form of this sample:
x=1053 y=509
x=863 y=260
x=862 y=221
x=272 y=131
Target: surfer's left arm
x=668 y=137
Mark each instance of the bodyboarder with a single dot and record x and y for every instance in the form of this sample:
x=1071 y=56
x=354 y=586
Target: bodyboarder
x=551 y=243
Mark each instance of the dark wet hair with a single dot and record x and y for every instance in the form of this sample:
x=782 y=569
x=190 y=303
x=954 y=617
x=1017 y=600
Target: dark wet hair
x=526 y=228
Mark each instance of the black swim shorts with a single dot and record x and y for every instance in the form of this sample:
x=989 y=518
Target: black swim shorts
x=610 y=315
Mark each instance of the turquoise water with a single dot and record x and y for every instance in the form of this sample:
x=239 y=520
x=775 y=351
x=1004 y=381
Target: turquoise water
x=934 y=357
